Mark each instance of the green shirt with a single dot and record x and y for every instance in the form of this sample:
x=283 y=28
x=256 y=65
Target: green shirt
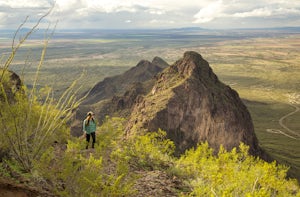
x=89 y=128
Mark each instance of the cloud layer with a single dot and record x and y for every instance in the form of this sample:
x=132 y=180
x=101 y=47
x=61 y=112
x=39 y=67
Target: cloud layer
x=154 y=13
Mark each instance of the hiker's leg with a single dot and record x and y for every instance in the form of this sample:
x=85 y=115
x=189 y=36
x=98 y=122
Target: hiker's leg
x=87 y=140
x=94 y=138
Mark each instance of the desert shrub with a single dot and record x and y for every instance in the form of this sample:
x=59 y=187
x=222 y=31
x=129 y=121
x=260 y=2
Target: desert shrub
x=29 y=127
x=150 y=151
x=234 y=173
x=87 y=176
x=31 y=120
x=93 y=172
x=110 y=134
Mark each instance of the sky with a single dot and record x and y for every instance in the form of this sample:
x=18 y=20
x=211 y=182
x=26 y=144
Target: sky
x=147 y=14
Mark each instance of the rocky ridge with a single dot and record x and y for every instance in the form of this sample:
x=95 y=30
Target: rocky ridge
x=190 y=103
x=187 y=100
x=116 y=95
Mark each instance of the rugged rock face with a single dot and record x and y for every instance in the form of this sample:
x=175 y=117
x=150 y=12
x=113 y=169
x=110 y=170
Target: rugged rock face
x=116 y=95
x=160 y=62
x=192 y=105
x=185 y=99
x=117 y=85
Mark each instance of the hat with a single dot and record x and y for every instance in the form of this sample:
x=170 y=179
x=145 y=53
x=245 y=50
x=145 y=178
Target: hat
x=90 y=113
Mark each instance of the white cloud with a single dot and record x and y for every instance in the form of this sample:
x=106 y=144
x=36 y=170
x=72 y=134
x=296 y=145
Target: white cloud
x=24 y=4
x=67 y=5
x=2 y=18
x=260 y=12
x=110 y=6
x=209 y=12
x=232 y=9
x=155 y=13
x=268 y=12
x=155 y=21
x=156 y=7
x=287 y=11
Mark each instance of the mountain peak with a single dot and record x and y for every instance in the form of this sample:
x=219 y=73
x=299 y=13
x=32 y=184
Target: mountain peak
x=193 y=65
x=192 y=106
x=160 y=62
x=143 y=63
x=192 y=55
x=117 y=92
x=187 y=101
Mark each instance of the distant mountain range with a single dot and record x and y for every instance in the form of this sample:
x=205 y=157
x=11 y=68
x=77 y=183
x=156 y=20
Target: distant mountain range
x=129 y=33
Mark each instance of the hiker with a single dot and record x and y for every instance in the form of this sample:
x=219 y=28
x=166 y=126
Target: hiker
x=89 y=128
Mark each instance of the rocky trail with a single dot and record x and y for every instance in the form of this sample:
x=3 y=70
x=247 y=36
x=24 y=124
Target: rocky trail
x=8 y=189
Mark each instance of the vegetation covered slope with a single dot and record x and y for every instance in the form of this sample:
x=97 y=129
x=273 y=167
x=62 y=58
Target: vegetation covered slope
x=118 y=168
x=48 y=162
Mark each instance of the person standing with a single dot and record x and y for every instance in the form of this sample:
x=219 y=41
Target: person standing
x=89 y=128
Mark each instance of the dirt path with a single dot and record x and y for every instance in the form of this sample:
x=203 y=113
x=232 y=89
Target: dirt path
x=280 y=121
x=289 y=114
x=8 y=189
x=277 y=131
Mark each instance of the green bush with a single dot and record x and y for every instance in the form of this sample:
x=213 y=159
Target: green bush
x=93 y=172
x=82 y=176
x=29 y=127
x=150 y=151
x=233 y=173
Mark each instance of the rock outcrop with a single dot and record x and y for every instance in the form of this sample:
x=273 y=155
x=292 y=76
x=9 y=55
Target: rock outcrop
x=118 y=85
x=192 y=106
x=11 y=83
x=116 y=95
x=186 y=99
